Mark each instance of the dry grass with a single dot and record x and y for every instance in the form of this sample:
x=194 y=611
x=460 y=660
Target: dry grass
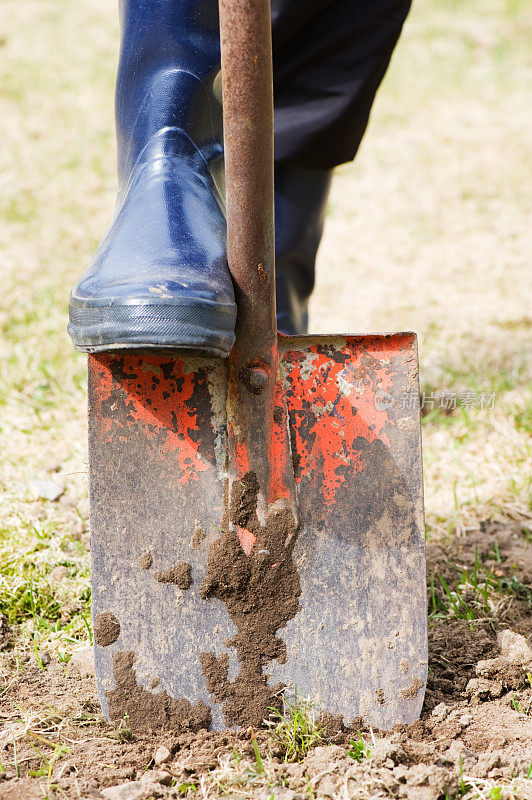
x=489 y=789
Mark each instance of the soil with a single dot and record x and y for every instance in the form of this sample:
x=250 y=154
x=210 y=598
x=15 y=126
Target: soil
x=148 y=711
x=146 y=560
x=106 y=629
x=181 y=575
x=476 y=723
x=261 y=591
x=197 y=537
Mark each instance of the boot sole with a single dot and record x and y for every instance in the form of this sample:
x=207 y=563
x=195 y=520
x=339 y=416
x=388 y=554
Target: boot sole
x=205 y=327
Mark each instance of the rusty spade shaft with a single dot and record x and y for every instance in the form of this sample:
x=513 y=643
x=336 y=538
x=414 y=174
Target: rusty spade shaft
x=256 y=445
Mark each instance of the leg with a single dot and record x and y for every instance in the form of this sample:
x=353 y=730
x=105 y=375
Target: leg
x=329 y=59
x=160 y=276
x=300 y=206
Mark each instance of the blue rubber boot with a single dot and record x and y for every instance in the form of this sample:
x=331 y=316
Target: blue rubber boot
x=159 y=278
x=300 y=208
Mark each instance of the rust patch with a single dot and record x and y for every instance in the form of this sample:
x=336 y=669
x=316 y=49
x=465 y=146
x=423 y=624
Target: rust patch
x=106 y=629
x=278 y=415
x=148 y=711
x=146 y=560
x=180 y=575
x=263 y=275
x=261 y=592
x=413 y=690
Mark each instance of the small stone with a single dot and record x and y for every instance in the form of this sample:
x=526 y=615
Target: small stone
x=165 y=778
x=81 y=665
x=133 y=790
x=58 y=574
x=46 y=490
x=46 y=658
x=162 y=755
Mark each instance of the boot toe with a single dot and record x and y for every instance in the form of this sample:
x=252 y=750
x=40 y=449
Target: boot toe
x=160 y=277
x=154 y=313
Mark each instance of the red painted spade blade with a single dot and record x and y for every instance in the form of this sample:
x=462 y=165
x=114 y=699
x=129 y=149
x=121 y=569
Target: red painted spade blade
x=157 y=436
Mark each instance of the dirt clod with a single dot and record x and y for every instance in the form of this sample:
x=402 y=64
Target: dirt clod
x=516 y=655
x=5 y=633
x=106 y=629
x=146 y=560
x=197 y=537
x=81 y=664
x=181 y=575
x=413 y=690
x=149 y=711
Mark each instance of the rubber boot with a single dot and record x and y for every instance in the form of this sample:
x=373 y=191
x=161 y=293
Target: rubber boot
x=300 y=208
x=160 y=276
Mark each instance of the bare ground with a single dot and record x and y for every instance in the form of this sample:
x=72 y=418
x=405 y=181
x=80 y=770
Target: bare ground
x=475 y=733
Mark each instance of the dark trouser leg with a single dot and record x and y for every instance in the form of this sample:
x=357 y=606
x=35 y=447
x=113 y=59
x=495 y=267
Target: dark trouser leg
x=329 y=59
x=300 y=206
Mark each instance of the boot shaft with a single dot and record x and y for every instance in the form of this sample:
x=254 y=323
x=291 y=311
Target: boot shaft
x=168 y=76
